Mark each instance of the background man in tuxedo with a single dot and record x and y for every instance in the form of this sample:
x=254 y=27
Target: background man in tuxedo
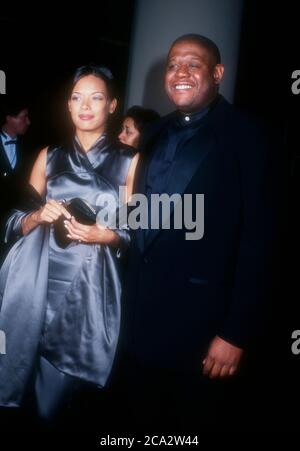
x=14 y=122
x=192 y=308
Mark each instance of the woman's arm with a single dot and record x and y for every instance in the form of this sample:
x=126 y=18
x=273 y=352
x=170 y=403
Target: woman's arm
x=52 y=210
x=130 y=177
x=38 y=174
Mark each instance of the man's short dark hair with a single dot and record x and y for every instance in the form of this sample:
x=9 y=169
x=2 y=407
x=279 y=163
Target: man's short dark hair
x=11 y=106
x=205 y=42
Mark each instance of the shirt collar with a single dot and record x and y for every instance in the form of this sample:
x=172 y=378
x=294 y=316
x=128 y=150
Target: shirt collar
x=6 y=137
x=185 y=119
x=191 y=118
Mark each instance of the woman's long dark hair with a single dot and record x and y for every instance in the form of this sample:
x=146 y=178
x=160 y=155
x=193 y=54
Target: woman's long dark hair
x=102 y=72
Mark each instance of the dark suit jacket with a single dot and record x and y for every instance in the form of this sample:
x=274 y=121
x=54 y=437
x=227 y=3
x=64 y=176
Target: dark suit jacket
x=179 y=294
x=12 y=181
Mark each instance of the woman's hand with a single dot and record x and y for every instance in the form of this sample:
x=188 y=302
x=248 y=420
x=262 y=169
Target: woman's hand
x=47 y=214
x=91 y=233
x=50 y=212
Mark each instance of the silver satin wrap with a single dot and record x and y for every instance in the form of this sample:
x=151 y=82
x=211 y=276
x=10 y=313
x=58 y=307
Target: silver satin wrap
x=63 y=303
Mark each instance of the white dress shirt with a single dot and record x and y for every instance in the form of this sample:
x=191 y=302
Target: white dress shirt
x=10 y=148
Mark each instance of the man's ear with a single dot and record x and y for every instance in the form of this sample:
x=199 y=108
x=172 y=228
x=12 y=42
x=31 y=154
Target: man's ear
x=113 y=105
x=218 y=73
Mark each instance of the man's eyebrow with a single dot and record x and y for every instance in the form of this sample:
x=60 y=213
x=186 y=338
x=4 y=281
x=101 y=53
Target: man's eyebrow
x=188 y=55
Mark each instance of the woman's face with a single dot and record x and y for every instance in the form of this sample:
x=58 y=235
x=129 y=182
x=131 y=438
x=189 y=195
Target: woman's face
x=129 y=134
x=90 y=104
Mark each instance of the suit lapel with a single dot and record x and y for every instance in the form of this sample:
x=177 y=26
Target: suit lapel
x=19 y=154
x=5 y=166
x=146 y=153
x=141 y=178
x=185 y=165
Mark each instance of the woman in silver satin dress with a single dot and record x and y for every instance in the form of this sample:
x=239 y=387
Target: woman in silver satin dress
x=60 y=306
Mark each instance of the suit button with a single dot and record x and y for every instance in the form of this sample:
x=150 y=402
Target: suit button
x=5 y=174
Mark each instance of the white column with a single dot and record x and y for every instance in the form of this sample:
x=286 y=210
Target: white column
x=158 y=23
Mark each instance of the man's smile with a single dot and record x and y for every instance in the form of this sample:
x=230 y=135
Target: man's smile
x=183 y=86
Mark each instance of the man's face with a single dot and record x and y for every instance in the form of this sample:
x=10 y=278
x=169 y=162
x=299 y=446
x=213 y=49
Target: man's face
x=18 y=124
x=192 y=77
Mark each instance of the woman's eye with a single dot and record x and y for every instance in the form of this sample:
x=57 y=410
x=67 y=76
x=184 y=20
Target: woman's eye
x=97 y=98
x=75 y=98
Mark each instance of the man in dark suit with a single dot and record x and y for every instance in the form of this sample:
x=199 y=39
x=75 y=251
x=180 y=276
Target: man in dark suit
x=14 y=122
x=192 y=307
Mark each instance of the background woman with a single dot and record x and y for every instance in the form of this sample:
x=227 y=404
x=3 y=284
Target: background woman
x=135 y=121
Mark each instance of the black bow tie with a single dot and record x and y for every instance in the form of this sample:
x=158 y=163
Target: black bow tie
x=11 y=141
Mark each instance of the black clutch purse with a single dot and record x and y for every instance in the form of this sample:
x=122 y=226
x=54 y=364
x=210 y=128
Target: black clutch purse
x=82 y=211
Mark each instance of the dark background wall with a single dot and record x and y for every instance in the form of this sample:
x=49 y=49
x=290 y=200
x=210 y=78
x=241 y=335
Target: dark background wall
x=39 y=53
x=269 y=53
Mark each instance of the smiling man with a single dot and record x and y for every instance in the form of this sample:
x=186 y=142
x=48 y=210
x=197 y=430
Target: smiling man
x=193 y=74
x=192 y=308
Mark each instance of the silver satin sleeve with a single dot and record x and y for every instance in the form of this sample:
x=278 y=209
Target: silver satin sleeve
x=13 y=226
x=124 y=235
x=123 y=231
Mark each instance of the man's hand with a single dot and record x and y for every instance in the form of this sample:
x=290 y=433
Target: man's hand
x=222 y=359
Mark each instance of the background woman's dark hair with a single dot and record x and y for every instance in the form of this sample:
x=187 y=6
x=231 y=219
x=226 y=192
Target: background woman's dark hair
x=142 y=117
x=101 y=72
